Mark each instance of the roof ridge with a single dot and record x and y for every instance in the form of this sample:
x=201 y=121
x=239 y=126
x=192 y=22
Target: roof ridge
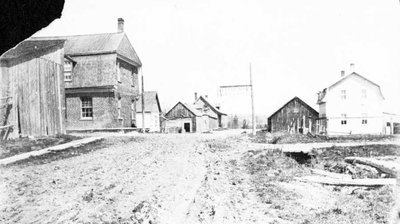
x=77 y=35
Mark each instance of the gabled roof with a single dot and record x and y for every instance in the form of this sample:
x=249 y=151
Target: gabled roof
x=323 y=93
x=103 y=43
x=30 y=47
x=151 y=102
x=210 y=105
x=188 y=107
x=301 y=102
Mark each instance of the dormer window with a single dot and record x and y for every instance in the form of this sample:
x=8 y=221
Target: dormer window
x=343 y=95
x=67 y=71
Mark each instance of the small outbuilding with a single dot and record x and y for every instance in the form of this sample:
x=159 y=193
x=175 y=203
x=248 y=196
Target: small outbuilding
x=294 y=117
x=184 y=118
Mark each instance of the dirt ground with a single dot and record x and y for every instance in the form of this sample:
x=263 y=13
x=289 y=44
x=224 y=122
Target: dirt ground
x=183 y=178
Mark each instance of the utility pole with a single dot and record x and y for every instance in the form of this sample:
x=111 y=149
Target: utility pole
x=252 y=97
x=143 y=129
x=252 y=103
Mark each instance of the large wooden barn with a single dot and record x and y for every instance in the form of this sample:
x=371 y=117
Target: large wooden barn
x=32 y=89
x=294 y=117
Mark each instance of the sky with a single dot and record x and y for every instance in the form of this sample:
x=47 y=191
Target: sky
x=296 y=48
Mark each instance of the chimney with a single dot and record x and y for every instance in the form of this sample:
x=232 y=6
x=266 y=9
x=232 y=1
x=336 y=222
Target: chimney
x=120 y=25
x=342 y=73
x=206 y=96
x=352 y=67
x=195 y=96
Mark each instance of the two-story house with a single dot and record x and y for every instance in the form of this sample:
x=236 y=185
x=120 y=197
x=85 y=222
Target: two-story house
x=352 y=105
x=101 y=80
x=216 y=117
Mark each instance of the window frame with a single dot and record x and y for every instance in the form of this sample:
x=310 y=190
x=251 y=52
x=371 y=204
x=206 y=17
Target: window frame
x=343 y=94
x=343 y=120
x=363 y=94
x=68 y=71
x=119 y=106
x=364 y=119
x=88 y=107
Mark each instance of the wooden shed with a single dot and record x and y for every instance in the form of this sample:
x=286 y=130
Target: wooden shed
x=294 y=117
x=32 y=88
x=184 y=118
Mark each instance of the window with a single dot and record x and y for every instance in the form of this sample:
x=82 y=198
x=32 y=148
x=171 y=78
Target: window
x=118 y=72
x=364 y=119
x=343 y=95
x=86 y=108
x=363 y=94
x=67 y=71
x=119 y=108
x=343 y=121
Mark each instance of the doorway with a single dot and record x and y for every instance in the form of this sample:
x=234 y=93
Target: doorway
x=186 y=126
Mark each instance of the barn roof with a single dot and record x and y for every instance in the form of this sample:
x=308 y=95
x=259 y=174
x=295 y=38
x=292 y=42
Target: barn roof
x=298 y=100
x=29 y=47
x=151 y=102
x=211 y=106
x=103 y=43
x=187 y=107
x=322 y=95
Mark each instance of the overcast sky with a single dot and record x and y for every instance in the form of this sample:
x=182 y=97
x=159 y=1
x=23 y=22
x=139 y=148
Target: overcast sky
x=296 y=48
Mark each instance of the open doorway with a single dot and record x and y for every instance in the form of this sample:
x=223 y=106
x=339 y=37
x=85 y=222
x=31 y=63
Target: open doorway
x=186 y=126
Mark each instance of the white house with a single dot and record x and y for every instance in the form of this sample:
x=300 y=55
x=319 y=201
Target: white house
x=217 y=119
x=152 y=112
x=352 y=105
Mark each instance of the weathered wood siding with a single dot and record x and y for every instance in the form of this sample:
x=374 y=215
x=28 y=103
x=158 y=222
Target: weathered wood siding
x=37 y=90
x=292 y=117
x=181 y=112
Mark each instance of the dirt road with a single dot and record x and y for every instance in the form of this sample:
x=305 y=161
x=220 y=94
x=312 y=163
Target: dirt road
x=187 y=178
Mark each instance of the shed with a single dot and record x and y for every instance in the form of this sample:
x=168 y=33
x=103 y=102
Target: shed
x=184 y=118
x=294 y=117
x=31 y=78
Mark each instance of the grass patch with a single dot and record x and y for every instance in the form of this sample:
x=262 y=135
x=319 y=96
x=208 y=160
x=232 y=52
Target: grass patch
x=271 y=171
x=22 y=145
x=285 y=138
